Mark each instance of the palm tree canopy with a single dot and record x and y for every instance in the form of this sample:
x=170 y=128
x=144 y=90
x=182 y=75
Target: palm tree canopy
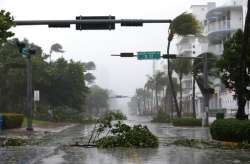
x=182 y=66
x=185 y=24
x=56 y=48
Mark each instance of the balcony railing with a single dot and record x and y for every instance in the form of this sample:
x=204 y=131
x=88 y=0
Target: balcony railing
x=218 y=26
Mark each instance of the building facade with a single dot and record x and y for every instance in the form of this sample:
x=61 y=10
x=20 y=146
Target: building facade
x=218 y=23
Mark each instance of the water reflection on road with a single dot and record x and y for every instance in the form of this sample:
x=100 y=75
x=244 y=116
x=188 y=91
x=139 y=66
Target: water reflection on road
x=53 y=150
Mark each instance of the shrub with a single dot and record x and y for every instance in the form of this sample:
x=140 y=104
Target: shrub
x=231 y=130
x=125 y=136
x=220 y=116
x=187 y=122
x=161 y=117
x=12 y=120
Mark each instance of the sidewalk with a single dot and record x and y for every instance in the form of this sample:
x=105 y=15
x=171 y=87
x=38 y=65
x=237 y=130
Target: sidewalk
x=38 y=132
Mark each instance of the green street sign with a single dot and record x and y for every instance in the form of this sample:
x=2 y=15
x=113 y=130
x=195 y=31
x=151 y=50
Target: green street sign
x=148 y=55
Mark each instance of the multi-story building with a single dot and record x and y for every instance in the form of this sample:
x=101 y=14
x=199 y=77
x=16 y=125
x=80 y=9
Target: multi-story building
x=218 y=23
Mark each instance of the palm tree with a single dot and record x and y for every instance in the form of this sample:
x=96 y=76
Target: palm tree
x=150 y=84
x=198 y=74
x=56 y=48
x=140 y=97
x=182 y=67
x=184 y=24
x=160 y=82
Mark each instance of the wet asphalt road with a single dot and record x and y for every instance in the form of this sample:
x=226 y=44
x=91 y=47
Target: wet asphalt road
x=54 y=149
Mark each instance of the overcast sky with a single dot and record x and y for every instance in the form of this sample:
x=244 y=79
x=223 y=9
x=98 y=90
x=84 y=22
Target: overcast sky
x=118 y=74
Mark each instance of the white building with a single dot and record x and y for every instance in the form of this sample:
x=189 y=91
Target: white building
x=218 y=23
x=222 y=22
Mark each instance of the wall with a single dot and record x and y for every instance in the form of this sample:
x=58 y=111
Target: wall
x=236 y=19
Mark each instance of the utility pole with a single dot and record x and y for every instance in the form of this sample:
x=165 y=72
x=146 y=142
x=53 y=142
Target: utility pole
x=205 y=121
x=29 y=93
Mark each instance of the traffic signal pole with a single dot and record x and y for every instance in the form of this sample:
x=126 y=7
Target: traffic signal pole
x=205 y=118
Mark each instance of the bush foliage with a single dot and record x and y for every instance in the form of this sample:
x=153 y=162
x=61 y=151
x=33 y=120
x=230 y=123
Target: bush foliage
x=12 y=120
x=231 y=130
x=187 y=122
x=126 y=136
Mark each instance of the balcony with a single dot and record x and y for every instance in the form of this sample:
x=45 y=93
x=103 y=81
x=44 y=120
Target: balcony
x=222 y=21
x=219 y=30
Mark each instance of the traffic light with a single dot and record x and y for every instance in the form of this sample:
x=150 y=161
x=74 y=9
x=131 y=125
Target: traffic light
x=31 y=51
x=21 y=46
x=96 y=25
x=170 y=56
x=126 y=54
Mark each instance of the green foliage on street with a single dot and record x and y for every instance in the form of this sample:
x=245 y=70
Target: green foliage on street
x=232 y=70
x=126 y=136
x=231 y=130
x=12 y=120
x=161 y=117
x=6 y=22
x=187 y=122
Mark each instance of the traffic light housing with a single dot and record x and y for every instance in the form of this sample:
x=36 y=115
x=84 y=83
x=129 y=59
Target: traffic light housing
x=96 y=25
x=21 y=46
x=126 y=54
x=170 y=56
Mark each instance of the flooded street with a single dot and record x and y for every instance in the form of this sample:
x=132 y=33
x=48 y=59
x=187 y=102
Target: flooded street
x=54 y=149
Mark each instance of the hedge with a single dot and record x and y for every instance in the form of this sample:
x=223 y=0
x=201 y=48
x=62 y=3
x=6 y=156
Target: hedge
x=187 y=122
x=231 y=130
x=12 y=120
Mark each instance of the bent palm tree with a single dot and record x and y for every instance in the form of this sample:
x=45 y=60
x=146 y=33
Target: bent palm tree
x=184 y=24
x=56 y=48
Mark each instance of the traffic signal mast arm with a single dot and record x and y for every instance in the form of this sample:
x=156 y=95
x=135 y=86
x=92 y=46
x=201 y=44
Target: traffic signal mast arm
x=91 y=22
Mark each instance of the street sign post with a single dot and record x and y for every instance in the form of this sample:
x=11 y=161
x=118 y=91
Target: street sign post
x=148 y=55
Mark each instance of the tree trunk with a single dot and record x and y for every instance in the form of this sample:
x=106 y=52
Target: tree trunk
x=166 y=100
x=139 y=107
x=242 y=96
x=193 y=98
x=152 y=101
x=241 y=115
x=144 y=101
x=172 y=84
x=180 y=79
x=156 y=96
x=148 y=101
